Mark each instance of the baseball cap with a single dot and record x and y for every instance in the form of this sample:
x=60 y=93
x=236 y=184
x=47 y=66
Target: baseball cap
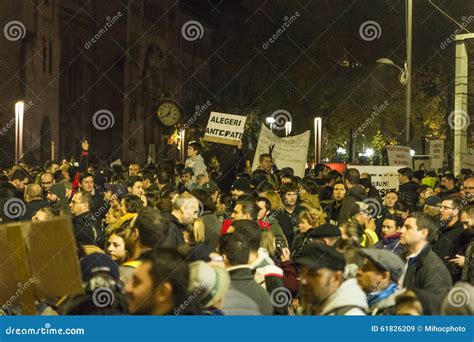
x=386 y=260
x=210 y=187
x=119 y=190
x=433 y=201
x=318 y=255
x=99 y=262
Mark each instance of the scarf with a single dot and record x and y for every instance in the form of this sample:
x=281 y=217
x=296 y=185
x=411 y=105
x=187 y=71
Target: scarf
x=377 y=296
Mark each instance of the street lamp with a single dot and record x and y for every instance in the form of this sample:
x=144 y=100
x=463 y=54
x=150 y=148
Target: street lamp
x=317 y=140
x=405 y=75
x=19 y=111
x=270 y=121
x=369 y=152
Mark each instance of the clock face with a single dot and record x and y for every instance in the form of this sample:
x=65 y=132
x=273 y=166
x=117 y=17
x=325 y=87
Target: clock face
x=168 y=113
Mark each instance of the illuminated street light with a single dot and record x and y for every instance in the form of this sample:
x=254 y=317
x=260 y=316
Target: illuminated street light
x=19 y=112
x=270 y=121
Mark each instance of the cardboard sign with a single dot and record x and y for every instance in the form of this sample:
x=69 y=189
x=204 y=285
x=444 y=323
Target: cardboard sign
x=39 y=261
x=225 y=128
x=399 y=156
x=436 y=154
x=384 y=178
x=288 y=152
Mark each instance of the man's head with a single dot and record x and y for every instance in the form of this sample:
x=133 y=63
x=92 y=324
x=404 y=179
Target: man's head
x=51 y=166
x=380 y=269
x=149 y=229
x=186 y=208
x=186 y=175
x=425 y=191
x=133 y=169
x=159 y=284
x=468 y=189
x=33 y=192
x=432 y=206
x=351 y=177
x=265 y=162
x=239 y=188
x=450 y=209
x=202 y=179
x=245 y=210
x=194 y=149
x=467 y=217
x=135 y=186
x=19 y=179
x=289 y=194
x=234 y=249
x=148 y=178
x=81 y=203
x=46 y=180
x=390 y=199
x=339 y=191
x=87 y=182
x=391 y=225
x=163 y=177
x=449 y=181
x=405 y=175
x=322 y=269
x=418 y=229
x=250 y=231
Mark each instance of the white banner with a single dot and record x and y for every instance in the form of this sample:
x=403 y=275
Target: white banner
x=225 y=128
x=384 y=178
x=436 y=154
x=288 y=152
x=399 y=156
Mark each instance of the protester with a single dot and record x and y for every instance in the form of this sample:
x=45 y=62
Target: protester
x=34 y=201
x=323 y=288
x=354 y=193
x=407 y=188
x=195 y=160
x=378 y=277
x=333 y=210
x=424 y=270
x=390 y=241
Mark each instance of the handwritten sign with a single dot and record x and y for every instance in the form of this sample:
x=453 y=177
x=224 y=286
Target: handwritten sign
x=225 y=128
x=384 y=178
x=399 y=156
x=288 y=152
x=436 y=153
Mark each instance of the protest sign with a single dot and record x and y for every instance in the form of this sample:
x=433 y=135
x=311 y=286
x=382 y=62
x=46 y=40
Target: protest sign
x=399 y=156
x=384 y=178
x=436 y=154
x=225 y=128
x=288 y=152
x=39 y=261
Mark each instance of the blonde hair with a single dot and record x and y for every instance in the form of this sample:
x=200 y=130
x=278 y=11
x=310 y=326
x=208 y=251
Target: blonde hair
x=267 y=241
x=315 y=217
x=275 y=200
x=198 y=231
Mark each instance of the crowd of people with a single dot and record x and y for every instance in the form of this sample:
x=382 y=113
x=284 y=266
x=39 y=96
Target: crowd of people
x=193 y=239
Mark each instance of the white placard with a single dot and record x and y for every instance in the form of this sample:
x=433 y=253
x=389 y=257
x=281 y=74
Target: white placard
x=288 y=152
x=384 y=178
x=225 y=128
x=436 y=154
x=399 y=156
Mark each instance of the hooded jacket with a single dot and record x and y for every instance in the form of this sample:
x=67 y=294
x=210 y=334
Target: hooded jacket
x=197 y=164
x=348 y=300
x=355 y=194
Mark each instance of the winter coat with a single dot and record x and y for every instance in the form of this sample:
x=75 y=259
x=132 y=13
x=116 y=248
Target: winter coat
x=173 y=232
x=391 y=243
x=426 y=272
x=348 y=300
x=242 y=280
x=238 y=304
x=87 y=230
x=32 y=207
x=197 y=164
x=309 y=201
x=407 y=192
x=447 y=245
x=354 y=194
